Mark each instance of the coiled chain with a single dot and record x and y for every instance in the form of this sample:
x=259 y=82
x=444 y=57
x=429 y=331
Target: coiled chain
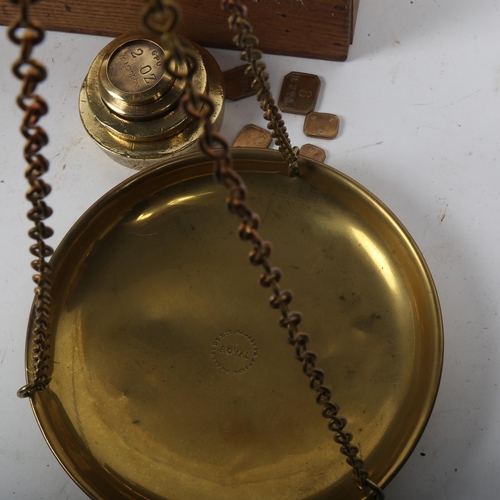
x=28 y=33
x=161 y=17
x=247 y=41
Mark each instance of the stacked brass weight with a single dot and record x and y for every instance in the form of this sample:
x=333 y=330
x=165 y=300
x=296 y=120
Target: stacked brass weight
x=147 y=399
x=129 y=105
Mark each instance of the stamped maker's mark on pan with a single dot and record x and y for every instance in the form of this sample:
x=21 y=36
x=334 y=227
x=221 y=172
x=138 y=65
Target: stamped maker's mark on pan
x=234 y=352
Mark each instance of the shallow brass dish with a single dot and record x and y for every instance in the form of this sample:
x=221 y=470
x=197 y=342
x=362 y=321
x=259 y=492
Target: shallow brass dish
x=171 y=377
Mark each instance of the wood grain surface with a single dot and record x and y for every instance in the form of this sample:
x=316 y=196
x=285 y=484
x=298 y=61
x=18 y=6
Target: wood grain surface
x=319 y=29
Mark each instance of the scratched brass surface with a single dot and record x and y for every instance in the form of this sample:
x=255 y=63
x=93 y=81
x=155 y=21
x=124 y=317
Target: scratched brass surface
x=172 y=378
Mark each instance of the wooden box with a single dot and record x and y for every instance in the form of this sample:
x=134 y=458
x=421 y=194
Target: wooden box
x=320 y=29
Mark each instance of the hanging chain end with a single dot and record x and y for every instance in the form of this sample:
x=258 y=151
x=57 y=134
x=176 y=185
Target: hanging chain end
x=26 y=391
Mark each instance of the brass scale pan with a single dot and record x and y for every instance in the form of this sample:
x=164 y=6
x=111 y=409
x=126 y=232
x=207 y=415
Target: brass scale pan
x=171 y=377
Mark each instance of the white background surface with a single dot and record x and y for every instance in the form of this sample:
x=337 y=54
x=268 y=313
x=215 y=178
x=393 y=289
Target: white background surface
x=419 y=100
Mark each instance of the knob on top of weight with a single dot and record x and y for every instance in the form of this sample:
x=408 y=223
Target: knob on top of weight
x=128 y=104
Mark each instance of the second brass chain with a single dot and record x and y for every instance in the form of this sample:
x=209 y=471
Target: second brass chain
x=246 y=40
x=160 y=17
x=27 y=33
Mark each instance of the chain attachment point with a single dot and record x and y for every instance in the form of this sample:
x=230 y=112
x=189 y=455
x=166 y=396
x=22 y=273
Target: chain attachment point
x=378 y=494
x=26 y=391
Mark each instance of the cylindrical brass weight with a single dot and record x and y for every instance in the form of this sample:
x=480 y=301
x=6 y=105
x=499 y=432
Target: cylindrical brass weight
x=129 y=105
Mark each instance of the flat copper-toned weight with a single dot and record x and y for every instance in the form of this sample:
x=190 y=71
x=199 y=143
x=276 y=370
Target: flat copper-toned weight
x=313 y=152
x=321 y=125
x=299 y=93
x=238 y=85
x=252 y=136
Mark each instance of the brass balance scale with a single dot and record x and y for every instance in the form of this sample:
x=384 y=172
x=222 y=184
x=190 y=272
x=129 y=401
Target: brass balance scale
x=154 y=368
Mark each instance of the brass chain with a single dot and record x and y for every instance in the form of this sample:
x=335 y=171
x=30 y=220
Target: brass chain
x=160 y=17
x=247 y=41
x=28 y=33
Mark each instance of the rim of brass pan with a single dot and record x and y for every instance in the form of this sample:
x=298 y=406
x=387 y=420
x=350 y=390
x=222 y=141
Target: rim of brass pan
x=171 y=377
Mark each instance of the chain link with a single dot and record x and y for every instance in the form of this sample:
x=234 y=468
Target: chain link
x=27 y=33
x=217 y=148
x=247 y=41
